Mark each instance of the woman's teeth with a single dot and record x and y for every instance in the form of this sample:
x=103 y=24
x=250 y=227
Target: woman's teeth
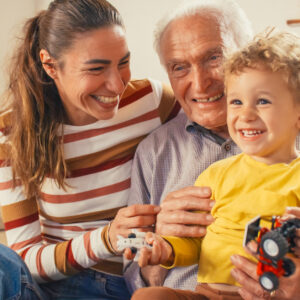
x=104 y=99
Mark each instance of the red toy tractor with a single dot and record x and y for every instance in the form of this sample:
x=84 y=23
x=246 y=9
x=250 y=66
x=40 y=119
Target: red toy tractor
x=273 y=245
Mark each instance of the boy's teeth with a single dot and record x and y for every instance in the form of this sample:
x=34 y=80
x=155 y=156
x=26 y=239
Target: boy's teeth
x=211 y=99
x=251 y=132
x=106 y=99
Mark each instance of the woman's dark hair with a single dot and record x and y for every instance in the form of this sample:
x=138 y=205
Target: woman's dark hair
x=35 y=148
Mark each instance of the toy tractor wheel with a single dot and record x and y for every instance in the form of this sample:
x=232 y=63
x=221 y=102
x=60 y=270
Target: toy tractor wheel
x=269 y=281
x=288 y=267
x=274 y=245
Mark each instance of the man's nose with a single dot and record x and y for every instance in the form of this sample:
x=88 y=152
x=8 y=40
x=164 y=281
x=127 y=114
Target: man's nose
x=201 y=79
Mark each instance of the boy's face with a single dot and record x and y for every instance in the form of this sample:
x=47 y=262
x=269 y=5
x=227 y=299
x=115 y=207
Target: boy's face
x=263 y=118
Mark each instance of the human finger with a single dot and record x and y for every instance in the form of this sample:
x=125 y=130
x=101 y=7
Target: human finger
x=144 y=257
x=196 y=191
x=292 y=210
x=139 y=210
x=245 y=274
x=181 y=230
x=246 y=295
x=189 y=198
x=128 y=254
x=184 y=217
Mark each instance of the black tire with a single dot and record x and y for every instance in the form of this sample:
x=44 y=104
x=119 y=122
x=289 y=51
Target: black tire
x=274 y=245
x=269 y=281
x=289 y=267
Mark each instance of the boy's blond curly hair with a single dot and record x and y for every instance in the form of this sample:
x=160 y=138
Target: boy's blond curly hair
x=277 y=52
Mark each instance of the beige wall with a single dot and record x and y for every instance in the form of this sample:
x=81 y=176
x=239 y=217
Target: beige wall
x=140 y=16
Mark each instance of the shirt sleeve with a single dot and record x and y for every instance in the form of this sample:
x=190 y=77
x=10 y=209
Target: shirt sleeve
x=168 y=107
x=46 y=262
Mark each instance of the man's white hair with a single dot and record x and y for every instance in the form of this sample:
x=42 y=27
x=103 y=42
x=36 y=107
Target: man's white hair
x=236 y=29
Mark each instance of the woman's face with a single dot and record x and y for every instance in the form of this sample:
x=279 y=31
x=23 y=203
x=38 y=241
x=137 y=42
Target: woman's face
x=93 y=75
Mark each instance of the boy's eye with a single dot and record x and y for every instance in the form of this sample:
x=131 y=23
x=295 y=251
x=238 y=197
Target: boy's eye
x=236 y=102
x=263 y=101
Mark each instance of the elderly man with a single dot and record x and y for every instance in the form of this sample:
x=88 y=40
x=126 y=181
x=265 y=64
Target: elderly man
x=191 y=43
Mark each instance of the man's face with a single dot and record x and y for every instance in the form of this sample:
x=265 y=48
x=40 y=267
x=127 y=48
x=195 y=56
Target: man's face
x=191 y=50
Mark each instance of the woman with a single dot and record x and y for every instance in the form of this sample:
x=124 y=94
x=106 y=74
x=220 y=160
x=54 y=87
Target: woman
x=68 y=139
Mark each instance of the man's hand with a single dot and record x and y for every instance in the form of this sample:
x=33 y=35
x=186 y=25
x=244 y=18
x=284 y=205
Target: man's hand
x=290 y=213
x=245 y=273
x=138 y=216
x=177 y=217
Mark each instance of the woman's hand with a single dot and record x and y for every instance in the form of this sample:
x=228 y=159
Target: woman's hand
x=177 y=217
x=245 y=273
x=160 y=252
x=138 y=216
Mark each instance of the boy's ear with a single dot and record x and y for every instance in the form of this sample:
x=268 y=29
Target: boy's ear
x=48 y=63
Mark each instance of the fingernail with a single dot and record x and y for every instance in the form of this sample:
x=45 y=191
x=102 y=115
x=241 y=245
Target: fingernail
x=234 y=259
x=209 y=218
x=212 y=203
x=202 y=231
x=156 y=209
x=206 y=191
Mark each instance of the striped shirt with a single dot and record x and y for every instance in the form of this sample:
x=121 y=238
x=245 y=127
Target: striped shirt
x=63 y=232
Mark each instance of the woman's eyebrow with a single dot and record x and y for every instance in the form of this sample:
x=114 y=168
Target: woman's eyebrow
x=104 y=61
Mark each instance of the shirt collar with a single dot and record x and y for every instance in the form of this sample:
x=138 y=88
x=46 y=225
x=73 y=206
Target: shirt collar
x=195 y=128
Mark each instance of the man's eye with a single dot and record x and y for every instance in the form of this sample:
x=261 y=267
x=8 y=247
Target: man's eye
x=236 y=102
x=215 y=60
x=263 y=101
x=179 y=70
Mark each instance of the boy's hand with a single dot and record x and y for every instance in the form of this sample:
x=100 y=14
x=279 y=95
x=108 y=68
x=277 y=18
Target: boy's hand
x=160 y=253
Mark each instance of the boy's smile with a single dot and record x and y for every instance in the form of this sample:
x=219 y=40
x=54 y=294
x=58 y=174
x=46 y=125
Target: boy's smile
x=263 y=116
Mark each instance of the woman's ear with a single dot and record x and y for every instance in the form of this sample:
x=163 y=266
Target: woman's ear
x=48 y=63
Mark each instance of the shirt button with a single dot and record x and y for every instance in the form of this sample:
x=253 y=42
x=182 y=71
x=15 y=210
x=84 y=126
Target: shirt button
x=227 y=147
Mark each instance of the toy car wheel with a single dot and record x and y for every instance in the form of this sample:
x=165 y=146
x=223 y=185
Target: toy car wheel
x=288 y=267
x=269 y=281
x=274 y=245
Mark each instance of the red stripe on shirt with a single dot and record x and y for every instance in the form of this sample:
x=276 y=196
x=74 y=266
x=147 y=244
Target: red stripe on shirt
x=136 y=96
x=34 y=240
x=68 y=138
x=69 y=198
x=70 y=228
x=9 y=184
x=21 y=222
x=71 y=258
x=101 y=167
x=39 y=265
x=87 y=246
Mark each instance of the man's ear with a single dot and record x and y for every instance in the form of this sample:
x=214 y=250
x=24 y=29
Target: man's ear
x=298 y=110
x=48 y=63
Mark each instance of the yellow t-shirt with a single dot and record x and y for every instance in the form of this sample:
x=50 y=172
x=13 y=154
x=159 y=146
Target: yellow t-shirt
x=243 y=188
